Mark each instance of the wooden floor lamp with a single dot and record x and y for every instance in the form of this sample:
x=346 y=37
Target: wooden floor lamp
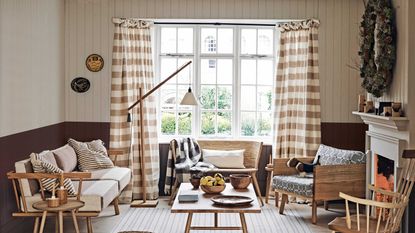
x=189 y=96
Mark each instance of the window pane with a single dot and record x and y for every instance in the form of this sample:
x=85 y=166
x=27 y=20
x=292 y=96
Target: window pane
x=185 y=40
x=225 y=40
x=168 y=40
x=185 y=123
x=248 y=41
x=224 y=123
x=168 y=97
x=264 y=98
x=265 y=39
x=168 y=66
x=247 y=123
x=225 y=97
x=248 y=71
x=264 y=124
x=208 y=97
x=225 y=68
x=248 y=101
x=208 y=71
x=168 y=123
x=265 y=72
x=208 y=40
x=185 y=75
x=208 y=123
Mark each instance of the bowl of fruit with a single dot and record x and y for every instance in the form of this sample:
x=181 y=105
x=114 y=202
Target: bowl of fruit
x=212 y=185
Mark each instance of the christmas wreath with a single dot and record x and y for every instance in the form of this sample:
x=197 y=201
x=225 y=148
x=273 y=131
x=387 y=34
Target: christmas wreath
x=377 y=49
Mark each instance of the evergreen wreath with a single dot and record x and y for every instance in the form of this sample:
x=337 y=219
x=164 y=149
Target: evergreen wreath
x=377 y=55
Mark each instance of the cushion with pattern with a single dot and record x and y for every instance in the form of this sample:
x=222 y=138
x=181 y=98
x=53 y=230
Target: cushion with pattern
x=91 y=155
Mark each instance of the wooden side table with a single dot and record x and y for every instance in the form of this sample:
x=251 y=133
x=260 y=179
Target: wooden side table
x=71 y=206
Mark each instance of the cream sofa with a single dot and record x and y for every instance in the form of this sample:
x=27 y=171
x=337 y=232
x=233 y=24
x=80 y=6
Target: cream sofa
x=99 y=188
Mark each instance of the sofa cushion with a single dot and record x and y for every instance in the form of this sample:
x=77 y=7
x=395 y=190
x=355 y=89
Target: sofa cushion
x=120 y=174
x=294 y=184
x=333 y=156
x=224 y=158
x=40 y=166
x=91 y=155
x=65 y=158
x=97 y=195
x=30 y=187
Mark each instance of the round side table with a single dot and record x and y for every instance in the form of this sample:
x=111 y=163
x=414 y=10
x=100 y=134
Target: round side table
x=71 y=206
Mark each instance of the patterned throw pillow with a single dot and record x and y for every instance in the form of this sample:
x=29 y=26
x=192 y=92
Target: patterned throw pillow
x=91 y=155
x=333 y=156
x=42 y=166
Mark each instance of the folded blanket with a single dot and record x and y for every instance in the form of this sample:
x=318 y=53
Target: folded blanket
x=188 y=160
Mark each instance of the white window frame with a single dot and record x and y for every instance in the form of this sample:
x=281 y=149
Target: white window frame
x=236 y=56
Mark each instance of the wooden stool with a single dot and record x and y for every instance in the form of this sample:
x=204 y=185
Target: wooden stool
x=71 y=205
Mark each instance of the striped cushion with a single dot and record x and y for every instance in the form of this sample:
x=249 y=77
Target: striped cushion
x=91 y=155
x=42 y=166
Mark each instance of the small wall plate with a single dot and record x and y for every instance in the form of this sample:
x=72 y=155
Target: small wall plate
x=80 y=85
x=94 y=62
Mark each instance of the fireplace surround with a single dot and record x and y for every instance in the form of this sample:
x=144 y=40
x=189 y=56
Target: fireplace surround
x=387 y=137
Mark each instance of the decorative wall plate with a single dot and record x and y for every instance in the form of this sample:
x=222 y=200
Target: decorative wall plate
x=94 y=62
x=80 y=85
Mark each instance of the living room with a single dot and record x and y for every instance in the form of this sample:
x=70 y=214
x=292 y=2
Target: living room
x=76 y=81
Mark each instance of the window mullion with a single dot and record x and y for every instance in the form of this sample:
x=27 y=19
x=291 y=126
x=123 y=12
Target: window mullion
x=237 y=84
x=197 y=118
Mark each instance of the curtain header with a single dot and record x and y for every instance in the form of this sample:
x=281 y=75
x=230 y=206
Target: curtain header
x=299 y=25
x=132 y=22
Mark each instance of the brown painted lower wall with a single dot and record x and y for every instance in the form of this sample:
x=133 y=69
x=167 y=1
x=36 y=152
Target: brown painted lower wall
x=19 y=146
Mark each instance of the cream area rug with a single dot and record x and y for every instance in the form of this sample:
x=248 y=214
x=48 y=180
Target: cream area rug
x=160 y=220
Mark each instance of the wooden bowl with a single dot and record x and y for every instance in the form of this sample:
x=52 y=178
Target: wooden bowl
x=240 y=181
x=212 y=189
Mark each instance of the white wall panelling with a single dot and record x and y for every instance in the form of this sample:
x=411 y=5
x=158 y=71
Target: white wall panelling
x=31 y=64
x=89 y=30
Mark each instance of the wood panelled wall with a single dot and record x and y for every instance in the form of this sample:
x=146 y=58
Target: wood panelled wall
x=89 y=29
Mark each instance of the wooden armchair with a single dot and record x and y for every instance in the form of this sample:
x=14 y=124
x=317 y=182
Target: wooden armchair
x=380 y=216
x=324 y=185
x=252 y=154
x=20 y=195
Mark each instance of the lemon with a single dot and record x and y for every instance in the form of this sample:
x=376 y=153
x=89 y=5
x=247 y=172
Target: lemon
x=210 y=184
x=221 y=182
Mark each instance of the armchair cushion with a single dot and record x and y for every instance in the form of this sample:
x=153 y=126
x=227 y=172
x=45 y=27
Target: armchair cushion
x=294 y=184
x=333 y=156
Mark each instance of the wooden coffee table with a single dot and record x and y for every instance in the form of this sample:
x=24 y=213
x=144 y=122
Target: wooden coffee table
x=205 y=205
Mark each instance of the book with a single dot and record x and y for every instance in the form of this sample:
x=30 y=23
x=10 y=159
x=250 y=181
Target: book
x=188 y=197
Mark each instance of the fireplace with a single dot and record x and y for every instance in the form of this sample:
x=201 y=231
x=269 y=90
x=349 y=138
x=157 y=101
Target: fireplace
x=386 y=139
x=384 y=175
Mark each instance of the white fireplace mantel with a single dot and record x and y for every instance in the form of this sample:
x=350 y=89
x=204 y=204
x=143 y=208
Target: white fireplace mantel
x=396 y=123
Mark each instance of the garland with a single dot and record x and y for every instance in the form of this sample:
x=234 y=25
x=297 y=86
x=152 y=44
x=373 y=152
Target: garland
x=377 y=62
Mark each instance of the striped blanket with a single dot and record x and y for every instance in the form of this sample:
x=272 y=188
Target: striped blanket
x=188 y=161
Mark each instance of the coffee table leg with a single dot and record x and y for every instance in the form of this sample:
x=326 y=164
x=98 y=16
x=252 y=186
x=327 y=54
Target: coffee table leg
x=60 y=221
x=36 y=225
x=243 y=223
x=75 y=222
x=42 y=223
x=189 y=222
x=216 y=219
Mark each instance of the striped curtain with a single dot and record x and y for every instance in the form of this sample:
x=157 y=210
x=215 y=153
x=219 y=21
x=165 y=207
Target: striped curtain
x=297 y=91
x=132 y=67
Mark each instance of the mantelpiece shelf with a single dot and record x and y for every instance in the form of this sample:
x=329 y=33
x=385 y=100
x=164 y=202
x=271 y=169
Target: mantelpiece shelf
x=397 y=123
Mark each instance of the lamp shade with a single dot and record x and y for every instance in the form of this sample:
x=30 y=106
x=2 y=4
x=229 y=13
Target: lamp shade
x=189 y=98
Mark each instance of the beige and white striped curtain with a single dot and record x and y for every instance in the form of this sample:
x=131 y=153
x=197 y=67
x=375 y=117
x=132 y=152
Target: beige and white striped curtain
x=132 y=67
x=297 y=91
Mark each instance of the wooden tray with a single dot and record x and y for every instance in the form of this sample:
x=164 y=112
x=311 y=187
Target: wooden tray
x=231 y=200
